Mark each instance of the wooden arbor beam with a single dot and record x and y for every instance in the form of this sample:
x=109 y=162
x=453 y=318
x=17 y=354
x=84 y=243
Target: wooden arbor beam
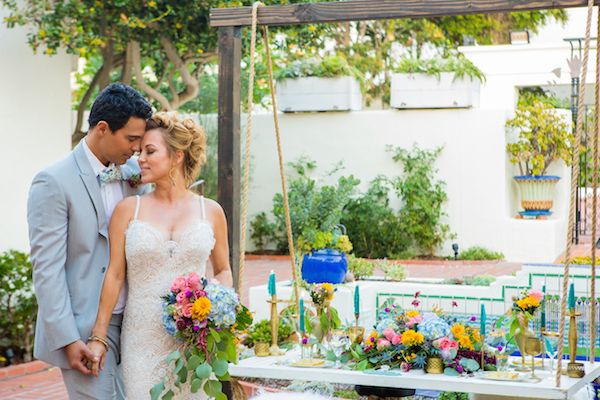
x=228 y=191
x=359 y=10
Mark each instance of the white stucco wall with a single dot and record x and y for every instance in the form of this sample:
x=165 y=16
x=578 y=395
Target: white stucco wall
x=481 y=195
x=35 y=101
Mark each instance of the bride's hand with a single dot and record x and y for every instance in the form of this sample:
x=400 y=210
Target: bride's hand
x=99 y=351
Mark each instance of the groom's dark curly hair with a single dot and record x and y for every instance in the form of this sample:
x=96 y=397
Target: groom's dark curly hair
x=116 y=104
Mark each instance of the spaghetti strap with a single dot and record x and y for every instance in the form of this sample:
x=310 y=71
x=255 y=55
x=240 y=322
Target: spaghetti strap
x=203 y=208
x=137 y=206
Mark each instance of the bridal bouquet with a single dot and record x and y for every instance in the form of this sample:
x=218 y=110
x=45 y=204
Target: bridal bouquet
x=206 y=318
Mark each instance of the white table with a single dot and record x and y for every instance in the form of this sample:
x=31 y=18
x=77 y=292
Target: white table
x=267 y=367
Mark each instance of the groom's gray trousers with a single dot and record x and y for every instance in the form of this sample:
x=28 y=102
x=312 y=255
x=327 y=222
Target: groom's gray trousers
x=109 y=385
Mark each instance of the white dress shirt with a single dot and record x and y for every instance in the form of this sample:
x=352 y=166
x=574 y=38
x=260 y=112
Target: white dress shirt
x=112 y=194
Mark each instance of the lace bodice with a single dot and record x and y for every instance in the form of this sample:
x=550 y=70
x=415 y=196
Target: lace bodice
x=153 y=262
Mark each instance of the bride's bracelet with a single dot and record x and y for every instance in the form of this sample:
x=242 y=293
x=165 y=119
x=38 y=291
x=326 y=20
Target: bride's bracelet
x=99 y=339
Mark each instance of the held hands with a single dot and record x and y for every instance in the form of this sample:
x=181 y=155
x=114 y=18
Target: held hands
x=79 y=357
x=98 y=347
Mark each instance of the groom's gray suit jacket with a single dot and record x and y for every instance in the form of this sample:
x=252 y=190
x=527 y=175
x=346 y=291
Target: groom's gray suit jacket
x=68 y=233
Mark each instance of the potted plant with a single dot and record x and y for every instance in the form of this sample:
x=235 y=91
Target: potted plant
x=327 y=84
x=259 y=336
x=544 y=136
x=324 y=259
x=435 y=83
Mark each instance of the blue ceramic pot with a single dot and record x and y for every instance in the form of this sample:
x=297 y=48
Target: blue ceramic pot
x=326 y=265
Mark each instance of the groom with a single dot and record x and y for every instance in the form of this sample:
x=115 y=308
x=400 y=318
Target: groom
x=68 y=211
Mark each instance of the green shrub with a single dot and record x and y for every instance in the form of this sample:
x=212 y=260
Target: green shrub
x=480 y=253
x=392 y=271
x=261 y=332
x=480 y=280
x=372 y=225
x=359 y=267
x=453 y=396
x=313 y=207
x=327 y=67
x=461 y=67
x=423 y=197
x=18 y=305
x=262 y=231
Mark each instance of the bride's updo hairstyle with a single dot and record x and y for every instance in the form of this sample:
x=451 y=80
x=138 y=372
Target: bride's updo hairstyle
x=185 y=135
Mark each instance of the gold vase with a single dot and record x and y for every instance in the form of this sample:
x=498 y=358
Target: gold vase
x=521 y=335
x=356 y=334
x=434 y=365
x=261 y=349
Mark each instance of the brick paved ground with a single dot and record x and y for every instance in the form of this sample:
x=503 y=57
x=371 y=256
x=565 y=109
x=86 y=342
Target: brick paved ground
x=47 y=384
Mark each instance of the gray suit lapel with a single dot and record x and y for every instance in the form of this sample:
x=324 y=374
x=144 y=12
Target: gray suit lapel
x=86 y=173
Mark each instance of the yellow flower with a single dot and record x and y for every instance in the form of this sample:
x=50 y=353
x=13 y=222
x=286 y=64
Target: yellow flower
x=329 y=288
x=458 y=330
x=412 y=313
x=178 y=25
x=42 y=33
x=201 y=308
x=476 y=336
x=465 y=342
x=312 y=28
x=528 y=302
x=412 y=338
x=152 y=3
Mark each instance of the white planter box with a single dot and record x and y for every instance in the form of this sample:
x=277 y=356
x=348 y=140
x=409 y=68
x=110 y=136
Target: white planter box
x=319 y=94
x=427 y=91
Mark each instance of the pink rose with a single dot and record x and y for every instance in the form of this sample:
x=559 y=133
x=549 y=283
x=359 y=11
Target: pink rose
x=405 y=367
x=443 y=343
x=537 y=294
x=396 y=340
x=182 y=298
x=414 y=320
x=194 y=281
x=187 y=310
x=382 y=344
x=178 y=284
x=389 y=333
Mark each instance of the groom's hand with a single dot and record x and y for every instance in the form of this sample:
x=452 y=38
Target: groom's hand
x=78 y=355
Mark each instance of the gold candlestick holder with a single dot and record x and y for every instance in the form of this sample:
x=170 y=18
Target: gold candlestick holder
x=574 y=369
x=274 y=350
x=482 y=352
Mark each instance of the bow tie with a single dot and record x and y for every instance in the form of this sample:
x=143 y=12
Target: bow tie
x=110 y=174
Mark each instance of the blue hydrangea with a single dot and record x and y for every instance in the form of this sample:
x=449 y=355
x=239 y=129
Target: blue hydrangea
x=168 y=321
x=433 y=327
x=224 y=302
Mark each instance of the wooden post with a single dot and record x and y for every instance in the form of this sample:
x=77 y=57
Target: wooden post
x=228 y=192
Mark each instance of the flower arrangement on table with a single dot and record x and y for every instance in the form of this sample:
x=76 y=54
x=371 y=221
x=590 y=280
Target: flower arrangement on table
x=327 y=318
x=407 y=339
x=524 y=307
x=206 y=318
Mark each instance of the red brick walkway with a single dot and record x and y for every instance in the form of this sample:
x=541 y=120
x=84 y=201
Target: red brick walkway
x=46 y=384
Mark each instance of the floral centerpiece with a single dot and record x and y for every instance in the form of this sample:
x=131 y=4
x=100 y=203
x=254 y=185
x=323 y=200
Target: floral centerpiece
x=412 y=340
x=524 y=307
x=205 y=318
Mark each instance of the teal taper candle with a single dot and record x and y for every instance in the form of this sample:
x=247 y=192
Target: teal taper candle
x=572 y=296
x=482 y=320
x=301 y=316
x=356 y=301
x=271 y=285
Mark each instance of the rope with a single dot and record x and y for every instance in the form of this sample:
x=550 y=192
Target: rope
x=245 y=184
x=246 y=181
x=286 y=206
x=594 y=200
x=574 y=178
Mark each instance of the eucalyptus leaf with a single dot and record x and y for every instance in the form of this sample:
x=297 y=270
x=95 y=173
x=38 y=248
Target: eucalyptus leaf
x=196 y=383
x=193 y=362
x=173 y=356
x=212 y=387
x=450 y=372
x=219 y=367
x=157 y=390
x=469 y=364
x=183 y=375
x=168 y=396
x=215 y=335
x=179 y=365
x=203 y=371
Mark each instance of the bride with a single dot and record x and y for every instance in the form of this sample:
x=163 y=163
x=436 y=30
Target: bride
x=153 y=239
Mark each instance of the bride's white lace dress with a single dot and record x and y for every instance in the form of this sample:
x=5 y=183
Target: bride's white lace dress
x=153 y=262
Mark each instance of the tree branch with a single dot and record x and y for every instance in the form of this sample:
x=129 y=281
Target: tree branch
x=137 y=71
x=192 y=85
x=126 y=73
x=78 y=134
